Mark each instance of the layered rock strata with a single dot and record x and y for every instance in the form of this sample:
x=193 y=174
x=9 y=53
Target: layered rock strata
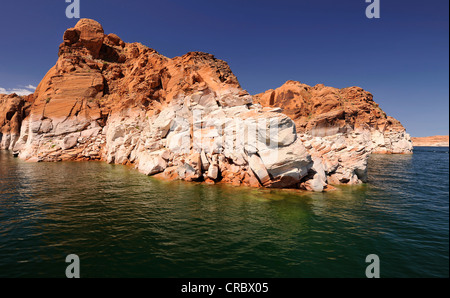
x=434 y=141
x=321 y=111
x=182 y=118
x=339 y=127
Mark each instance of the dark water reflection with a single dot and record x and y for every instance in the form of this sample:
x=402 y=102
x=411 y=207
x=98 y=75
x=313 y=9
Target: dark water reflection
x=124 y=224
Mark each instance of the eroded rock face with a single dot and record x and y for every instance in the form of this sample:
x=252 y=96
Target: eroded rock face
x=181 y=118
x=339 y=127
x=87 y=34
x=194 y=140
x=13 y=109
x=321 y=111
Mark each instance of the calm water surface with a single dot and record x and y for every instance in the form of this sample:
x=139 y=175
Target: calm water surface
x=124 y=224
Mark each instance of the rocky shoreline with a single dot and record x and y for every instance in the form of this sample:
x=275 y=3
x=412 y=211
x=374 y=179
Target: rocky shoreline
x=188 y=118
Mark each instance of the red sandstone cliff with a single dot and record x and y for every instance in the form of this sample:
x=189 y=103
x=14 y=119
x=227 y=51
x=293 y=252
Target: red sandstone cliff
x=13 y=109
x=188 y=118
x=326 y=111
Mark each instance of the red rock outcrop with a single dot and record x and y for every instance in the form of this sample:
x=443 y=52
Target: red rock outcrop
x=188 y=118
x=13 y=109
x=321 y=111
x=181 y=118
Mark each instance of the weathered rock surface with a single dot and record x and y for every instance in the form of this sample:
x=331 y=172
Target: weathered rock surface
x=13 y=109
x=340 y=128
x=322 y=111
x=188 y=118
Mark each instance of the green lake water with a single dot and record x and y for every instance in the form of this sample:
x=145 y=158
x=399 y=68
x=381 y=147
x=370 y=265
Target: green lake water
x=124 y=224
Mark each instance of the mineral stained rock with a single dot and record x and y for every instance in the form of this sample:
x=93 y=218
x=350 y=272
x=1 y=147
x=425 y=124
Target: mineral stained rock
x=188 y=118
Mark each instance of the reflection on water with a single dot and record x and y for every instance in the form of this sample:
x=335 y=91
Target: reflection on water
x=124 y=224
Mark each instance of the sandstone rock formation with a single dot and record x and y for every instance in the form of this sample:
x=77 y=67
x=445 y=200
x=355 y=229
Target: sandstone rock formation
x=340 y=128
x=13 y=109
x=188 y=118
x=322 y=111
x=434 y=141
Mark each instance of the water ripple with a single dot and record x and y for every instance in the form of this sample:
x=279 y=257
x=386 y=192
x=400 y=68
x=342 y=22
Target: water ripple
x=124 y=224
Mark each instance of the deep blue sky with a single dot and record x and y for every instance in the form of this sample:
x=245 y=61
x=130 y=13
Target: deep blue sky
x=402 y=58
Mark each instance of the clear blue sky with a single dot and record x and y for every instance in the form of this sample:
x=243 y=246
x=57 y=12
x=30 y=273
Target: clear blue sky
x=402 y=58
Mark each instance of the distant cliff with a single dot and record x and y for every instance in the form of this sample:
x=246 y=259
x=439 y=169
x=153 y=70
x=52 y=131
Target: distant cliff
x=435 y=141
